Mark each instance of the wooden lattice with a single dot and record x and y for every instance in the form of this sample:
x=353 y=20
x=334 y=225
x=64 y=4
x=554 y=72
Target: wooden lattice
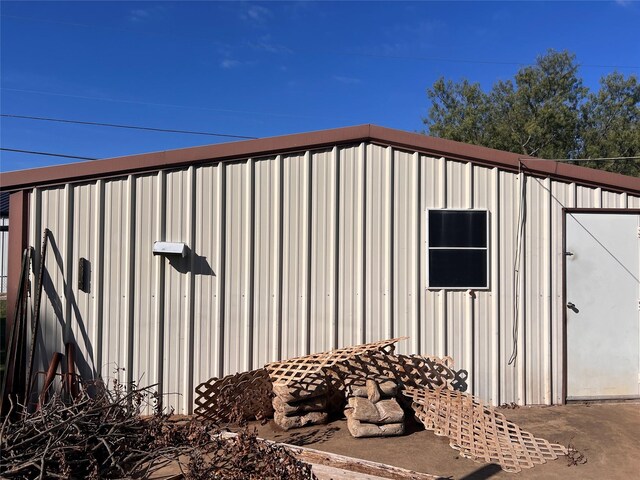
x=478 y=431
x=406 y=370
x=236 y=397
x=296 y=370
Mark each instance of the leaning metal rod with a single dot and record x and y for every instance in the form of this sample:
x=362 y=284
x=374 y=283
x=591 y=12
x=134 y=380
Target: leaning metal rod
x=36 y=320
x=51 y=374
x=14 y=336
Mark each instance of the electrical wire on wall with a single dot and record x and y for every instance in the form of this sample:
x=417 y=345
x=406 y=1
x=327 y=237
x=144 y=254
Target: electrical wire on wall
x=516 y=262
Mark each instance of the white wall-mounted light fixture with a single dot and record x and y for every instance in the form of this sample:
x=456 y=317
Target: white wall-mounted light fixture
x=170 y=248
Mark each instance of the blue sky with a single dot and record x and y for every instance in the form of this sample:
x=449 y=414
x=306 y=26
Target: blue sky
x=269 y=68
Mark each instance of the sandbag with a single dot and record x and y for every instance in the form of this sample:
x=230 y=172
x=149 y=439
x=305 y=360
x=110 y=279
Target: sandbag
x=287 y=423
x=388 y=388
x=389 y=411
x=373 y=393
x=314 y=404
x=296 y=392
x=363 y=409
x=360 y=429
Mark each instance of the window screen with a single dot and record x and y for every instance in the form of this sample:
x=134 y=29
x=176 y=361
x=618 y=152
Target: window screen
x=458 y=253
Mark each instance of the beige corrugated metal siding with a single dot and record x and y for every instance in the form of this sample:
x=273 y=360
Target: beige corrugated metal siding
x=299 y=253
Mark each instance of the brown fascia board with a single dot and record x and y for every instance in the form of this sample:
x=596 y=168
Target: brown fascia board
x=289 y=143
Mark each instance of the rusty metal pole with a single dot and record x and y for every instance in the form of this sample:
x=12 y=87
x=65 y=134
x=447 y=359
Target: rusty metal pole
x=13 y=350
x=72 y=384
x=51 y=375
x=36 y=320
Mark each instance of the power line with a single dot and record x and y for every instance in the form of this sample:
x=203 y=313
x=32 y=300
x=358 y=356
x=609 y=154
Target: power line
x=116 y=125
x=62 y=155
x=601 y=159
x=48 y=154
x=138 y=102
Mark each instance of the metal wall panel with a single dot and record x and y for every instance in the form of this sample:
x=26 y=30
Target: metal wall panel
x=405 y=257
x=115 y=302
x=301 y=253
x=479 y=339
x=433 y=328
x=295 y=257
x=147 y=283
x=324 y=298
x=588 y=197
x=537 y=292
x=562 y=195
x=266 y=276
x=83 y=324
x=350 y=314
x=612 y=200
x=208 y=283
x=458 y=319
x=177 y=328
x=510 y=327
x=237 y=314
x=55 y=204
x=378 y=241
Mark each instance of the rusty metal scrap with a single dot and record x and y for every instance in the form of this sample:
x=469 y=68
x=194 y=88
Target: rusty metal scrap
x=35 y=325
x=11 y=388
x=478 y=431
x=50 y=376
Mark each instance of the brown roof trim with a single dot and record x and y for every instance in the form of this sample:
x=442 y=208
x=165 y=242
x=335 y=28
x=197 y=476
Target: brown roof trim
x=506 y=160
x=296 y=142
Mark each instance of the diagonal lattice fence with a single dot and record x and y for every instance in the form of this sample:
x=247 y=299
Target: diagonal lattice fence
x=295 y=370
x=405 y=370
x=478 y=431
x=248 y=395
x=228 y=399
x=434 y=387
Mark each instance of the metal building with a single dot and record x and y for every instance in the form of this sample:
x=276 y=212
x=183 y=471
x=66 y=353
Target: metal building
x=525 y=271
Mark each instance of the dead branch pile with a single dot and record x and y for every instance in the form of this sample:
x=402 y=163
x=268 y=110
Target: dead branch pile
x=245 y=457
x=94 y=436
x=101 y=434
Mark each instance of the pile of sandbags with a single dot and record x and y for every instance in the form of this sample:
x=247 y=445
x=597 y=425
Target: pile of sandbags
x=296 y=406
x=372 y=410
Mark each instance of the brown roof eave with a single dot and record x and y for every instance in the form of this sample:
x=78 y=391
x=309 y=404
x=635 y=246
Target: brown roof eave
x=302 y=141
x=176 y=158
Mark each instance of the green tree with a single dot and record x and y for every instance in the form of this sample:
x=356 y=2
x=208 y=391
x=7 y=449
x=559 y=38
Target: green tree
x=611 y=124
x=545 y=111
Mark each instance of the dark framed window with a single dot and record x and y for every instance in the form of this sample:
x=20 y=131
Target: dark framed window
x=458 y=253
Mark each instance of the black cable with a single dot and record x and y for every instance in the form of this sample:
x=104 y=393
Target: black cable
x=133 y=127
x=48 y=154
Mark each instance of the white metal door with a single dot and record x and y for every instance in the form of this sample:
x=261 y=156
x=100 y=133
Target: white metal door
x=603 y=286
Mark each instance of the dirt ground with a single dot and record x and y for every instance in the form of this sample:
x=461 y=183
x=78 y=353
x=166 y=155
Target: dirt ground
x=607 y=434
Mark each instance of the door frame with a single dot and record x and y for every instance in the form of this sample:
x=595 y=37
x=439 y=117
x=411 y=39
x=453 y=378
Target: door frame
x=567 y=211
